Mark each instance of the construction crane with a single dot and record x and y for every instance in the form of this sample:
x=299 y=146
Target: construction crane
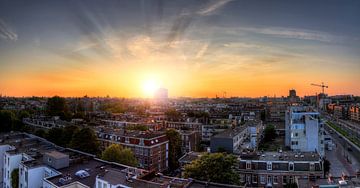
x=322 y=86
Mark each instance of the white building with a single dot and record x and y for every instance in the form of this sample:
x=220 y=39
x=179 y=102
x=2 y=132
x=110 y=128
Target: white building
x=304 y=130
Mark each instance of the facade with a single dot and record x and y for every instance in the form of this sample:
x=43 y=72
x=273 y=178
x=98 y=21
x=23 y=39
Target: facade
x=354 y=113
x=195 y=126
x=276 y=111
x=149 y=148
x=230 y=140
x=255 y=131
x=275 y=169
x=304 y=130
x=207 y=131
x=190 y=140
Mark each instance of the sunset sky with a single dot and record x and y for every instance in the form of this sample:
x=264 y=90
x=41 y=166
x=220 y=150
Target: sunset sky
x=196 y=48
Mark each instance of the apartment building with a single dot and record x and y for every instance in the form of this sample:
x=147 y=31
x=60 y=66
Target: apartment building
x=304 y=130
x=354 y=113
x=150 y=148
x=229 y=140
x=207 y=131
x=195 y=126
x=277 y=169
x=190 y=140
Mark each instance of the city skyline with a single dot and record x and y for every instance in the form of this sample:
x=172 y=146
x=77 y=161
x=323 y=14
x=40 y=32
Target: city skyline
x=192 y=48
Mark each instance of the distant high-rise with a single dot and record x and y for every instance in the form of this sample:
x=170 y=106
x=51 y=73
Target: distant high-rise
x=292 y=93
x=161 y=93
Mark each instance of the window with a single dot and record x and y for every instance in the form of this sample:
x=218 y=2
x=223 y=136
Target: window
x=248 y=178
x=255 y=178
x=284 y=179
x=248 y=164
x=242 y=177
x=312 y=166
x=262 y=179
x=105 y=185
x=291 y=166
x=269 y=179
x=291 y=179
x=269 y=166
x=49 y=159
x=275 y=179
x=127 y=140
x=296 y=134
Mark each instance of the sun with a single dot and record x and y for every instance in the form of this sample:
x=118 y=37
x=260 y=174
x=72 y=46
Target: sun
x=149 y=87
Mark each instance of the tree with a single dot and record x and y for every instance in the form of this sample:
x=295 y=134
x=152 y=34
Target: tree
x=215 y=167
x=138 y=127
x=41 y=133
x=327 y=167
x=56 y=106
x=68 y=133
x=7 y=120
x=172 y=114
x=115 y=153
x=15 y=178
x=174 y=148
x=54 y=135
x=85 y=140
x=269 y=133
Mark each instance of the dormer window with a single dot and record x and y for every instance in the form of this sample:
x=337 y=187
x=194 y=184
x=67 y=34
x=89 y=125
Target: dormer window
x=291 y=166
x=269 y=166
x=248 y=164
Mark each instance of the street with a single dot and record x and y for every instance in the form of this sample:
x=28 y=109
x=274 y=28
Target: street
x=341 y=159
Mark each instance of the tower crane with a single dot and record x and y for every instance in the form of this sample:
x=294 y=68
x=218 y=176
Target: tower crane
x=322 y=86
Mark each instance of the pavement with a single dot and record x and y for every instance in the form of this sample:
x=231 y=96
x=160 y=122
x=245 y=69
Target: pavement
x=341 y=159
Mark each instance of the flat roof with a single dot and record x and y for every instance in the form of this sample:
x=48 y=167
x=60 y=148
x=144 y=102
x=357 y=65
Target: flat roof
x=231 y=132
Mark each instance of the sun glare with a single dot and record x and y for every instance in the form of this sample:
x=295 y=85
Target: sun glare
x=149 y=87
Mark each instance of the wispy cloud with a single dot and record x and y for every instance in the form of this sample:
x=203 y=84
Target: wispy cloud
x=185 y=18
x=211 y=8
x=6 y=32
x=292 y=33
x=202 y=51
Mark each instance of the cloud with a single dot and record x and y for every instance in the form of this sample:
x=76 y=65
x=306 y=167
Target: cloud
x=211 y=8
x=202 y=51
x=6 y=32
x=292 y=33
x=185 y=18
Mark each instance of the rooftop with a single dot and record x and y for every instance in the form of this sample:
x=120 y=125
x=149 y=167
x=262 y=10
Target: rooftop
x=229 y=133
x=281 y=156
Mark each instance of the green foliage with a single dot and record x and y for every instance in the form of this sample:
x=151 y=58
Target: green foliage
x=7 y=120
x=54 y=135
x=174 y=148
x=68 y=133
x=138 y=127
x=115 y=153
x=327 y=167
x=85 y=140
x=114 y=107
x=269 y=133
x=56 y=106
x=354 y=140
x=41 y=133
x=263 y=115
x=198 y=114
x=215 y=167
x=172 y=114
x=15 y=178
